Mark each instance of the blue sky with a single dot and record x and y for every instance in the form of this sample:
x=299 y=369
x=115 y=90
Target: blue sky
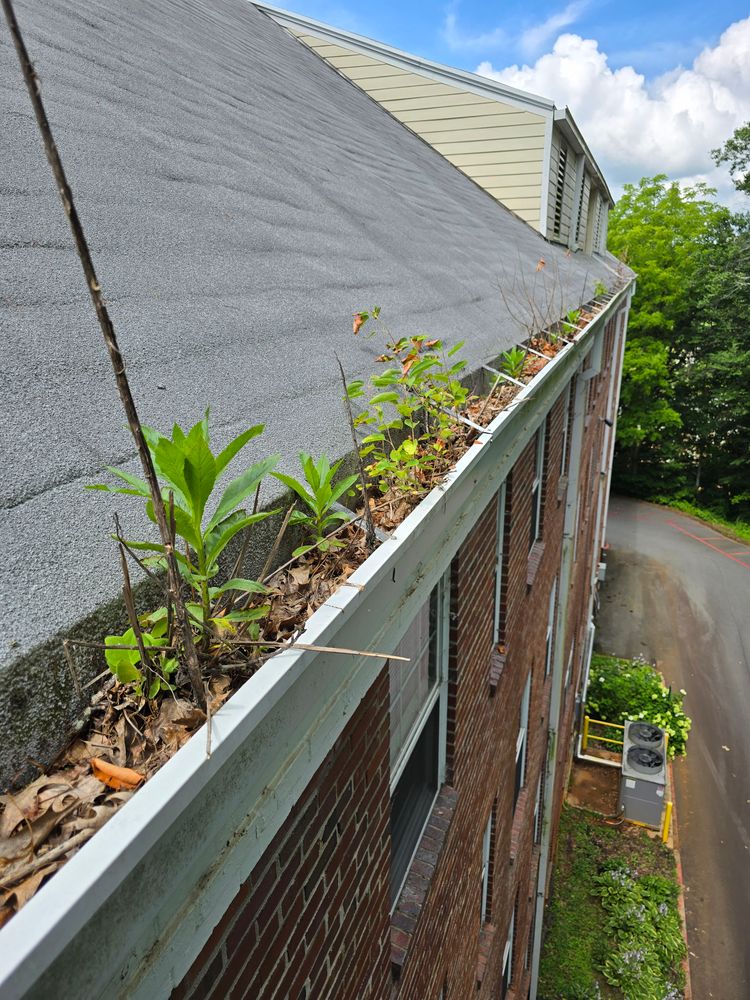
x=652 y=38
x=653 y=86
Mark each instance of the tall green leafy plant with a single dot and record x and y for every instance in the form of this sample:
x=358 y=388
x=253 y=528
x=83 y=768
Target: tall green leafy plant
x=188 y=472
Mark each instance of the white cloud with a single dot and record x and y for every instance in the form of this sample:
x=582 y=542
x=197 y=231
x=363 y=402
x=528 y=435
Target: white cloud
x=534 y=39
x=636 y=127
x=458 y=39
x=530 y=41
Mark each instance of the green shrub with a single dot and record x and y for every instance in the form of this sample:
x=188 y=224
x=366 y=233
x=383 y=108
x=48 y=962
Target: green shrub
x=644 y=925
x=632 y=689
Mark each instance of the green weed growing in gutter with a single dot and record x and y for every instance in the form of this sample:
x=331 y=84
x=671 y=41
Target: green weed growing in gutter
x=318 y=494
x=188 y=472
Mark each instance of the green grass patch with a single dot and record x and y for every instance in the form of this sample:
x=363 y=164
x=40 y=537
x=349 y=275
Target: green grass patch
x=612 y=927
x=734 y=529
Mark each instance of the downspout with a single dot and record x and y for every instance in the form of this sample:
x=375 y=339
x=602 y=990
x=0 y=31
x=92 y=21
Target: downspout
x=558 y=669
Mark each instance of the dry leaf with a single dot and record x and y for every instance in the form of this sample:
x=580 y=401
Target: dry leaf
x=541 y=263
x=300 y=575
x=114 y=776
x=33 y=834
x=358 y=322
x=22 y=893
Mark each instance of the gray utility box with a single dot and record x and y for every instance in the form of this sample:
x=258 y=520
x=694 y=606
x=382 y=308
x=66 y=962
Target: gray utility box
x=644 y=773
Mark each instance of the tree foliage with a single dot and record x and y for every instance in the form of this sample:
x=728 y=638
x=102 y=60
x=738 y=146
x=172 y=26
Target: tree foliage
x=685 y=416
x=736 y=152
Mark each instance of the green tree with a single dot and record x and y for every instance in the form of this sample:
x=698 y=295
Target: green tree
x=736 y=152
x=662 y=231
x=658 y=229
x=711 y=372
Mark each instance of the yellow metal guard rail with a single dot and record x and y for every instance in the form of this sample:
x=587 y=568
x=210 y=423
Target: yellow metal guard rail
x=585 y=735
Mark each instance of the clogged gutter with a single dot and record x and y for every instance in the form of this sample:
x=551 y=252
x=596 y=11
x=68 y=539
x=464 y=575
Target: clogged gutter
x=144 y=713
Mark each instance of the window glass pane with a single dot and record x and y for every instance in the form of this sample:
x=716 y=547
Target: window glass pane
x=412 y=799
x=412 y=682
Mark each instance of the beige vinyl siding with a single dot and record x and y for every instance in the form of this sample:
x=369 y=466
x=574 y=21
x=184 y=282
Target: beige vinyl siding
x=498 y=145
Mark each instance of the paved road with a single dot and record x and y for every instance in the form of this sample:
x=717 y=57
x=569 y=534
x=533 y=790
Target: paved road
x=679 y=593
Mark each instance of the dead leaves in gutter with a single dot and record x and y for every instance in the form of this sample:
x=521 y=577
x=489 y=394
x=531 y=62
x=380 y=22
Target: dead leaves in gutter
x=45 y=823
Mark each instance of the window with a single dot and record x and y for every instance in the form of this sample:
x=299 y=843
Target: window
x=550 y=628
x=523 y=729
x=418 y=702
x=538 y=810
x=486 y=861
x=569 y=670
x=566 y=429
x=500 y=556
x=508 y=954
x=536 y=487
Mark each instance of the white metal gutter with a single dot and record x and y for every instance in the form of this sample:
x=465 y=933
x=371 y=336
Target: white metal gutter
x=127 y=915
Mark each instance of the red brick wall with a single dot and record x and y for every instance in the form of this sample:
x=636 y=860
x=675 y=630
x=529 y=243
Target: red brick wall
x=312 y=918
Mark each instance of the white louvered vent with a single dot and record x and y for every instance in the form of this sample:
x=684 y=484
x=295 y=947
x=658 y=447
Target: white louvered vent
x=562 y=161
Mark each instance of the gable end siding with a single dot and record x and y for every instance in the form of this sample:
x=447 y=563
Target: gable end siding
x=498 y=145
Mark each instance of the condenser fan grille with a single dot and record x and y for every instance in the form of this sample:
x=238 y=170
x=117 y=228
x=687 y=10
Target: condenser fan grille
x=645 y=734
x=644 y=760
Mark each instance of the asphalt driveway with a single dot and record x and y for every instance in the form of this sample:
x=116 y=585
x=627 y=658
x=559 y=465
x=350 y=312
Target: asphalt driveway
x=679 y=593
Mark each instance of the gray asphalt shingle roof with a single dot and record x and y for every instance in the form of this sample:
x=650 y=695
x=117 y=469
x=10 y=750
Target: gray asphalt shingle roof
x=242 y=200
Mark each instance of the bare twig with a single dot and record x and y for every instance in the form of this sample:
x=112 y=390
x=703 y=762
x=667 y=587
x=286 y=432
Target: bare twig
x=12 y=874
x=121 y=645
x=315 y=649
x=127 y=596
x=98 y=677
x=276 y=543
x=110 y=340
x=208 y=725
x=72 y=668
x=331 y=534
x=370 y=537
x=173 y=536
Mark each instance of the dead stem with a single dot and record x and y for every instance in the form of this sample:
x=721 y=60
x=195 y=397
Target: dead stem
x=72 y=668
x=118 y=365
x=370 y=536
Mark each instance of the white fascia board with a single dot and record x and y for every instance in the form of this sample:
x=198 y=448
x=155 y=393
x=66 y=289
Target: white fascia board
x=472 y=82
x=566 y=123
x=152 y=884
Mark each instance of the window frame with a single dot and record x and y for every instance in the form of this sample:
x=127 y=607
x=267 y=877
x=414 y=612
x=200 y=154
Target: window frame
x=538 y=810
x=486 y=901
x=566 y=429
x=551 y=616
x=522 y=739
x=537 y=484
x=498 y=629
x=507 y=980
x=437 y=699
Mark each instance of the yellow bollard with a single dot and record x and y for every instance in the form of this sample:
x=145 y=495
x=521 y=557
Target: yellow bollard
x=585 y=735
x=667 y=823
